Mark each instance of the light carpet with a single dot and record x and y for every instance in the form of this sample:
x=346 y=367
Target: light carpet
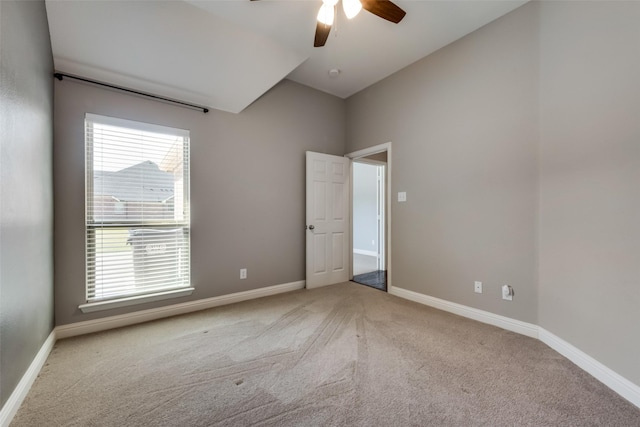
x=335 y=356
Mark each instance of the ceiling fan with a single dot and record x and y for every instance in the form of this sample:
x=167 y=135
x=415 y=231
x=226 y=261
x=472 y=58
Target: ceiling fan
x=385 y=9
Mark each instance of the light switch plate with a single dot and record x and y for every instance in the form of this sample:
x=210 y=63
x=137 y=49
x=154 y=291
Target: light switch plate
x=402 y=196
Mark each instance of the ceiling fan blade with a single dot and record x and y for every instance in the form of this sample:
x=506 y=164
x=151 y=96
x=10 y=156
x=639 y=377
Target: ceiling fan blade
x=322 y=33
x=385 y=9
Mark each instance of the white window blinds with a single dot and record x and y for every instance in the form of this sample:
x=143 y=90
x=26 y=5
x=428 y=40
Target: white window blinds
x=137 y=208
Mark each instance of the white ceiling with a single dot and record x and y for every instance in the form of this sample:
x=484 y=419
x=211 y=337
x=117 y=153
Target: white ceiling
x=226 y=54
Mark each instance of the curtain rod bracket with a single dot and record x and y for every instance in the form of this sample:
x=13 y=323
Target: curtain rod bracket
x=60 y=76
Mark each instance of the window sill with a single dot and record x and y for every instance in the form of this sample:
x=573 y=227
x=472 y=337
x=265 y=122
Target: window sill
x=90 y=307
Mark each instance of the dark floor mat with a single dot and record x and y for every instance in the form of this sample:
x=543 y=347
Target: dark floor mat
x=375 y=279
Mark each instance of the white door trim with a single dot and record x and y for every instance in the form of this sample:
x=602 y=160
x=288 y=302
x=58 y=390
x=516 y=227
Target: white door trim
x=381 y=206
x=363 y=153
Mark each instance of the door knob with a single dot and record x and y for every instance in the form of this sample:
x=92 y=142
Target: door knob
x=311 y=227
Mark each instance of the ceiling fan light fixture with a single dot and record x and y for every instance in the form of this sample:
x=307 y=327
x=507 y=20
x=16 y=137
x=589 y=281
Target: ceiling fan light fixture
x=325 y=14
x=351 y=8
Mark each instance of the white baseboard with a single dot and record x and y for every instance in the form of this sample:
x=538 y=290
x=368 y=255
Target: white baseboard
x=365 y=252
x=97 y=325
x=503 y=322
x=608 y=377
x=15 y=400
x=611 y=379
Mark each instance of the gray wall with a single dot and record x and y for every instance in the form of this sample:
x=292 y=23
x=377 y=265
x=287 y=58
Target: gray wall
x=590 y=179
x=26 y=205
x=519 y=149
x=365 y=207
x=247 y=186
x=463 y=123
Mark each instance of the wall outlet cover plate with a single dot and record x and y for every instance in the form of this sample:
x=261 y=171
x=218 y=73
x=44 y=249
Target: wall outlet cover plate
x=477 y=287
x=507 y=293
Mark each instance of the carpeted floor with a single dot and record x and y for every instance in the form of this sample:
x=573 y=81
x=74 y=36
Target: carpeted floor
x=335 y=356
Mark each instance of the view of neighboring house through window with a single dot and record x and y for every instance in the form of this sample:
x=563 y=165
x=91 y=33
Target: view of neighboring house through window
x=137 y=208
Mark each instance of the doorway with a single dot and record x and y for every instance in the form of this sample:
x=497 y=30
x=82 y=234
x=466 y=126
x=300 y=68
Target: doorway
x=369 y=209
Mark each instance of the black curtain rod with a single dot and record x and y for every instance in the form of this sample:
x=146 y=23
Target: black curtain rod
x=60 y=76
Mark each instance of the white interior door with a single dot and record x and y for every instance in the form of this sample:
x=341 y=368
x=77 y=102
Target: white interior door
x=327 y=219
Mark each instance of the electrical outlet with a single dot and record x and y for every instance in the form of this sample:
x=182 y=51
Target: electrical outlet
x=243 y=273
x=507 y=293
x=477 y=287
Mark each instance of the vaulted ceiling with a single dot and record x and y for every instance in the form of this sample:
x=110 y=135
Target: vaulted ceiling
x=226 y=54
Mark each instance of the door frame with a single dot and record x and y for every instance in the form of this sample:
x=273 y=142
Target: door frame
x=387 y=214
x=381 y=203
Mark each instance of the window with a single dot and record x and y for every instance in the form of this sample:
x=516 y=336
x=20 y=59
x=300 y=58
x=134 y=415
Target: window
x=137 y=209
